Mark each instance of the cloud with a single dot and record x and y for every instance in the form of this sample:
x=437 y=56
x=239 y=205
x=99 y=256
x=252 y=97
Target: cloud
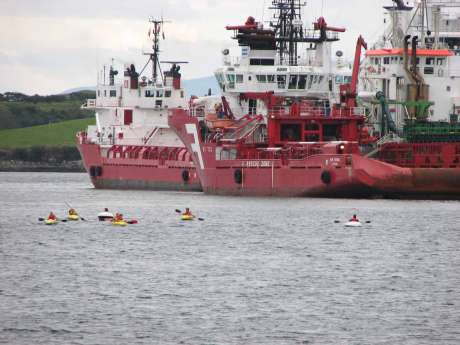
x=50 y=45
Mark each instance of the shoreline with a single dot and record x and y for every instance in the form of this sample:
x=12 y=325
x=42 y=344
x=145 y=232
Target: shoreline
x=23 y=166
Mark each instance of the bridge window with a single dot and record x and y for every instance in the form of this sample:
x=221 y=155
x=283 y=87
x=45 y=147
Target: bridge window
x=270 y=78
x=239 y=78
x=386 y=60
x=310 y=82
x=220 y=80
x=292 y=82
x=159 y=93
x=113 y=93
x=302 y=82
x=231 y=81
x=440 y=61
x=429 y=61
x=261 y=78
x=168 y=93
x=281 y=80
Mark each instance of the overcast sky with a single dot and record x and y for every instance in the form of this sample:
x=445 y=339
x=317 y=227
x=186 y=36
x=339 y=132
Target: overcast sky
x=47 y=46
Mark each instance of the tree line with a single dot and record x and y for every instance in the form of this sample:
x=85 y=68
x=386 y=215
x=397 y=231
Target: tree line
x=41 y=154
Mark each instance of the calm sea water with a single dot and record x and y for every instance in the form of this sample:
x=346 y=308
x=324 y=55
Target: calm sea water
x=256 y=271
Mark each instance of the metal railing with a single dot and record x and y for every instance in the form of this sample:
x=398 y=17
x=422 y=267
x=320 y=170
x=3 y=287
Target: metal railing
x=314 y=110
x=90 y=103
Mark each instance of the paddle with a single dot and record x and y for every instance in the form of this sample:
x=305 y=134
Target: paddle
x=179 y=211
x=367 y=221
x=60 y=220
x=132 y=221
x=83 y=219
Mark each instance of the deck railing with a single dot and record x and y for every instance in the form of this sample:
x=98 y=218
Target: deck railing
x=314 y=110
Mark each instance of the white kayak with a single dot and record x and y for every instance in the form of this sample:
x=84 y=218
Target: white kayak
x=103 y=216
x=353 y=224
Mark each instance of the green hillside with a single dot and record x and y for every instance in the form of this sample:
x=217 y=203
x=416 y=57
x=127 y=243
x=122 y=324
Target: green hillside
x=55 y=134
x=19 y=111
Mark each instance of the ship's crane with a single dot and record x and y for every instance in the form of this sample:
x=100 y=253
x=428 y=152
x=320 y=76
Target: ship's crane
x=348 y=91
x=322 y=26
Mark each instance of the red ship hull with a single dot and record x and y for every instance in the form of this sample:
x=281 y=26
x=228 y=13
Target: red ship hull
x=116 y=169
x=321 y=175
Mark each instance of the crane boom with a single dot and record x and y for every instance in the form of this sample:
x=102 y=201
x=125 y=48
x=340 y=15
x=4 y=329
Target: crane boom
x=348 y=91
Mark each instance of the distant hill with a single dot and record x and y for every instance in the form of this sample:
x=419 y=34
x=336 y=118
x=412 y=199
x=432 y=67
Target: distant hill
x=200 y=86
x=79 y=89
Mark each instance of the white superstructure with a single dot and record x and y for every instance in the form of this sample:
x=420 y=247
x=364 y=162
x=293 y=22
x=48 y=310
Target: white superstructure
x=133 y=109
x=275 y=60
x=434 y=26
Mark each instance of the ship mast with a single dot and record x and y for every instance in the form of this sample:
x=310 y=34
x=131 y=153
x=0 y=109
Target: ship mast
x=155 y=55
x=288 y=28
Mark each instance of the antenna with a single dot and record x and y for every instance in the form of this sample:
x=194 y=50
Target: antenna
x=158 y=29
x=289 y=30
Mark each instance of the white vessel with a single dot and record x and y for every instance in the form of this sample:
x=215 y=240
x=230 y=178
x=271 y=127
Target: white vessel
x=430 y=30
x=131 y=145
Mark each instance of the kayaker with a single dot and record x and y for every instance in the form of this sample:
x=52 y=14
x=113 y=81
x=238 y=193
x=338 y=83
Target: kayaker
x=354 y=219
x=118 y=217
x=187 y=212
x=72 y=212
x=52 y=216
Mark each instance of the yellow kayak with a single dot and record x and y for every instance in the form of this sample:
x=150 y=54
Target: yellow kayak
x=51 y=221
x=119 y=223
x=73 y=217
x=187 y=217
